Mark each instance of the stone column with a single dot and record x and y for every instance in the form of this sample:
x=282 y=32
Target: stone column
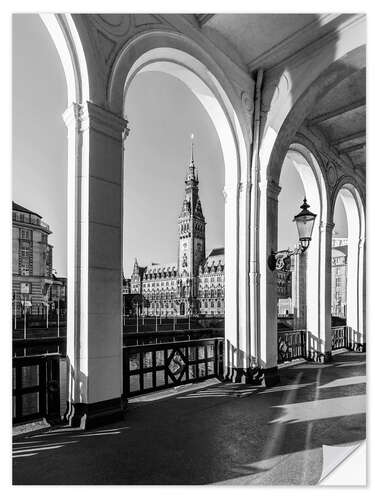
x=324 y=296
x=243 y=342
x=267 y=337
x=233 y=354
x=299 y=292
x=362 y=293
x=94 y=332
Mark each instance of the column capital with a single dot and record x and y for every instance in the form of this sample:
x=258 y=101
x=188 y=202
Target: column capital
x=230 y=191
x=272 y=188
x=91 y=116
x=71 y=114
x=326 y=226
x=244 y=186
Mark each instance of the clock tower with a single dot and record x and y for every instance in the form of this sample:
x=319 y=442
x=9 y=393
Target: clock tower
x=192 y=235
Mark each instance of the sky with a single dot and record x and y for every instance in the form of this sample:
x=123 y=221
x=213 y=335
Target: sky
x=162 y=114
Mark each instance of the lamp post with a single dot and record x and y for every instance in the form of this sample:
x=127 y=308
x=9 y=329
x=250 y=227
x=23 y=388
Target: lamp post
x=305 y=224
x=58 y=313
x=15 y=311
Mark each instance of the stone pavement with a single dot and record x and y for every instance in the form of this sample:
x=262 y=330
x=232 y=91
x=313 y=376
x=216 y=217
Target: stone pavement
x=226 y=434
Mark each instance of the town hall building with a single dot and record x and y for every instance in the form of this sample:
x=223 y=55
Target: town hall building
x=195 y=284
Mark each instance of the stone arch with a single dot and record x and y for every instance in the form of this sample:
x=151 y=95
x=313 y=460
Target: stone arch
x=315 y=263
x=183 y=59
x=64 y=34
x=348 y=180
x=295 y=95
x=289 y=95
x=352 y=200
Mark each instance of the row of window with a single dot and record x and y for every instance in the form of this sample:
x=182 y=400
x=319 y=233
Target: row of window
x=169 y=295
x=219 y=279
x=169 y=305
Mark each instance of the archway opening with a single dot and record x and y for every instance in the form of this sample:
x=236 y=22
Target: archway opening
x=348 y=264
x=300 y=286
x=217 y=289
x=173 y=226
x=39 y=180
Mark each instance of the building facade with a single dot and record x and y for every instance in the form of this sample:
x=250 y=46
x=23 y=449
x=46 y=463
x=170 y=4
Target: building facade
x=33 y=283
x=339 y=277
x=195 y=284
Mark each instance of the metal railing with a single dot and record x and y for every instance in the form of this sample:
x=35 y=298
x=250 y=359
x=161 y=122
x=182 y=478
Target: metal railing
x=39 y=346
x=339 y=337
x=133 y=339
x=155 y=324
x=36 y=387
x=291 y=345
x=151 y=367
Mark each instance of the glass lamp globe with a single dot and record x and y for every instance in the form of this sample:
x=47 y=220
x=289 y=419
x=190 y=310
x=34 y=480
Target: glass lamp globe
x=305 y=224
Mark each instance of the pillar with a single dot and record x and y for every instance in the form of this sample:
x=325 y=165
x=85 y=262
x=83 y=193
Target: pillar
x=362 y=293
x=233 y=352
x=94 y=329
x=299 y=291
x=266 y=342
x=244 y=363
x=323 y=351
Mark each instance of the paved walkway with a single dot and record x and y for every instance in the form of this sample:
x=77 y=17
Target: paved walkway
x=227 y=433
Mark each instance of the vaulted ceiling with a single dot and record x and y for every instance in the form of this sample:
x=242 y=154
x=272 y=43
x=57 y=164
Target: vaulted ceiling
x=266 y=40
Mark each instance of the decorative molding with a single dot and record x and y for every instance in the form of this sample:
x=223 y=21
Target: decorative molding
x=145 y=20
x=91 y=116
x=107 y=45
x=117 y=25
x=71 y=115
x=273 y=189
x=331 y=175
x=326 y=227
x=248 y=105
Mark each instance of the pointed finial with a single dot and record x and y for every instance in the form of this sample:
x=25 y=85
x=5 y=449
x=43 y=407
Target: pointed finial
x=192 y=147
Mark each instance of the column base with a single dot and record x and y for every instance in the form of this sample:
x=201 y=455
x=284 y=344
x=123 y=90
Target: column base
x=271 y=376
x=254 y=376
x=90 y=415
x=359 y=347
x=320 y=357
x=251 y=376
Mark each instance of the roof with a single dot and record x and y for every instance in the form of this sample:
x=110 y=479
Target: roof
x=155 y=268
x=215 y=257
x=216 y=251
x=339 y=251
x=20 y=208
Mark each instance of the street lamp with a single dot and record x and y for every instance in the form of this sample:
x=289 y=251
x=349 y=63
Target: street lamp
x=305 y=224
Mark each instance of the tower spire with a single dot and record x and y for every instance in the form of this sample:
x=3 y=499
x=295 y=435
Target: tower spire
x=192 y=149
x=191 y=170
